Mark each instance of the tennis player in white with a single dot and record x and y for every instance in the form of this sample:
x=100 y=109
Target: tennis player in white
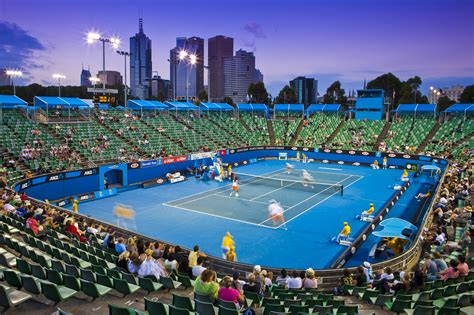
x=289 y=168
x=275 y=212
x=306 y=178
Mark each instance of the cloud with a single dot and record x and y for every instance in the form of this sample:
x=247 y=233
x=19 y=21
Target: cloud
x=255 y=29
x=18 y=47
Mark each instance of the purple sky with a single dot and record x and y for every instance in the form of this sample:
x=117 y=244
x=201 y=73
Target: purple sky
x=330 y=40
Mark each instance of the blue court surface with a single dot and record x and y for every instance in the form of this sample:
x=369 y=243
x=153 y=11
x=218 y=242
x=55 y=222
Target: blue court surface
x=198 y=212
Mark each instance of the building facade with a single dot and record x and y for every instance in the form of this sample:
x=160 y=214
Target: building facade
x=258 y=76
x=453 y=93
x=111 y=78
x=219 y=48
x=159 y=87
x=4 y=78
x=239 y=73
x=140 y=63
x=187 y=79
x=306 y=90
x=85 y=77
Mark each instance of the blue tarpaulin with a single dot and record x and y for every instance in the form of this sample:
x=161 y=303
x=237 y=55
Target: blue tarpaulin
x=331 y=108
x=181 y=106
x=59 y=102
x=215 y=107
x=288 y=107
x=252 y=107
x=460 y=108
x=145 y=105
x=11 y=100
x=416 y=108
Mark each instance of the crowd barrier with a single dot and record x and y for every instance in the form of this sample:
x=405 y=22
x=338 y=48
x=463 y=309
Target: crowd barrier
x=152 y=172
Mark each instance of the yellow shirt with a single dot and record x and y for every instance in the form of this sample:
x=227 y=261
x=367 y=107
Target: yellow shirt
x=227 y=241
x=371 y=210
x=74 y=207
x=193 y=256
x=230 y=256
x=229 y=169
x=385 y=160
x=376 y=162
x=405 y=173
x=346 y=230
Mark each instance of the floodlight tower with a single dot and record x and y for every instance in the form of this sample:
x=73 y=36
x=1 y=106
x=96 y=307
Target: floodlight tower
x=12 y=74
x=59 y=76
x=93 y=37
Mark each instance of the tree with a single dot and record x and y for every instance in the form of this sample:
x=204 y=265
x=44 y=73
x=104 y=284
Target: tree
x=161 y=97
x=389 y=83
x=335 y=95
x=229 y=101
x=202 y=95
x=444 y=102
x=467 y=96
x=258 y=93
x=287 y=95
x=409 y=93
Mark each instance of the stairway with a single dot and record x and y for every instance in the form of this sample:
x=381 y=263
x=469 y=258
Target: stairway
x=334 y=133
x=428 y=138
x=21 y=166
x=243 y=123
x=297 y=132
x=271 y=134
x=381 y=136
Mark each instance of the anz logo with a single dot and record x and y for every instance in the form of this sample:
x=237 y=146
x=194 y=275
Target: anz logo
x=53 y=178
x=89 y=172
x=24 y=185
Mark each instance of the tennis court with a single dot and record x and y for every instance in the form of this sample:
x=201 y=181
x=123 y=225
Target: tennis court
x=255 y=192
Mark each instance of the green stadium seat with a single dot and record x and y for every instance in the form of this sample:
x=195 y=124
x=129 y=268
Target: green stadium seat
x=124 y=287
x=273 y=308
x=10 y=298
x=12 y=278
x=173 y=310
x=71 y=282
x=183 y=302
x=94 y=290
x=169 y=283
x=117 y=310
x=31 y=284
x=56 y=293
x=155 y=307
x=149 y=285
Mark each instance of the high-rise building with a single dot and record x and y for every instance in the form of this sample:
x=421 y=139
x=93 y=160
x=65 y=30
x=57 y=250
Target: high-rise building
x=183 y=72
x=258 y=76
x=140 y=62
x=111 y=78
x=239 y=73
x=4 y=78
x=219 y=48
x=453 y=93
x=159 y=87
x=85 y=77
x=306 y=90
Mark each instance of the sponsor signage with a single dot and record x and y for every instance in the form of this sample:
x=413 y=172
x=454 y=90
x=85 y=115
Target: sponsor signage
x=102 y=90
x=89 y=172
x=55 y=177
x=202 y=155
x=150 y=163
x=133 y=165
x=85 y=197
x=174 y=159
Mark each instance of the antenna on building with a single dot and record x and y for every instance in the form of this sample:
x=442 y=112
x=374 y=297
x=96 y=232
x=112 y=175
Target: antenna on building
x=140 y=22
x=365 y=84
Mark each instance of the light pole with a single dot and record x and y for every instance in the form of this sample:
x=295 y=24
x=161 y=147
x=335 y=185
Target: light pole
x=92 y=37
x=59 y=76
x=208 y=83
x=12 y=74
x=125 y=54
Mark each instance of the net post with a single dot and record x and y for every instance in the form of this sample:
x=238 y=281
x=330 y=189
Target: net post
x=342 y=190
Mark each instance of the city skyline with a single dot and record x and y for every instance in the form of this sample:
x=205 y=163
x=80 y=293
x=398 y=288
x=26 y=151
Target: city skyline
x=333 y=40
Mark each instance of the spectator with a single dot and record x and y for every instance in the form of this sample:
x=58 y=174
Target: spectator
x=439 y=261
x=228 y=293
x=295 y=282
x=198 y=268
x=418 y=281
x=236 y=282
x=429 y=268
x=361 y=278
x=158 y=250
x=405 y=284
x=267 y=279
x=452 y=272
x=310 y=280
x=131 y=246
x=135 y=262
x=171 y=264
x=252 y=285
x=282 y=279
x=463 y=268
x=122 y=260
x=150 y=267
x=120 y=246
x=206 y=284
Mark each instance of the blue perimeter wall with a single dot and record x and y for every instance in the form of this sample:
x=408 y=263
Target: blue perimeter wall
x=67 y=184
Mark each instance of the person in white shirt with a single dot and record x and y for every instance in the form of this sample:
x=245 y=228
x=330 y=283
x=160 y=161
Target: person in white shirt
x=295 y=282
x=198 y=269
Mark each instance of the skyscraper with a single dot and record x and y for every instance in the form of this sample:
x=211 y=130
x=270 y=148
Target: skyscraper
x=239 y=73
x=85 y=76
x=110 y=78
x=140 y=62
x=4 y=79
x=306 y=90
x=182 y=71
x=219 y=48
x=258 y=76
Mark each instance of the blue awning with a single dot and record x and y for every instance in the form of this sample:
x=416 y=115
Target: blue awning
x=181 y=106
x=145 y=105
x=288 y=107
x=332 y=108
x=460 y=108
x=416 y=108
x=252 y=107
x=59 y=102
x=11 y=100
x=394 y=227
x=215 y=106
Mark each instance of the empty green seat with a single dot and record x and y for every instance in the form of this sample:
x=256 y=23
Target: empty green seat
x=94 y=290
x=124 y=287
x=56 y=293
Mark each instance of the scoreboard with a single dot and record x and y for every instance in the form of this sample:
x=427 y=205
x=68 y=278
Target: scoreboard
x=105 y=99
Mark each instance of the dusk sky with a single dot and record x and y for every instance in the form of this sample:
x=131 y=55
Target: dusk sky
x=346 y=40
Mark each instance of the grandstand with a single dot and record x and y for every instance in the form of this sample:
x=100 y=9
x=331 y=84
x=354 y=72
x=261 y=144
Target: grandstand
x=58 y=266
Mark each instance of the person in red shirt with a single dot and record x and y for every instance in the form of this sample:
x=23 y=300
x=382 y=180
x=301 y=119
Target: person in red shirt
x=227 y=293
x=23 y=197
x=463 y=268
x=71 y=228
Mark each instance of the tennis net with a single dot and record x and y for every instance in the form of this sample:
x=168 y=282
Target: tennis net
x=313 y=187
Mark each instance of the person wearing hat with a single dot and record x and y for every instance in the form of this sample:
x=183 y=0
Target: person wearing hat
x=227 y=242
x=346 y=230
x=404 y=176
x=231 y=256
x=74 y=206
x=367 y=213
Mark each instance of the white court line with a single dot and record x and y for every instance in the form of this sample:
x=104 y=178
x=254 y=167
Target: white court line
x=345 y=187
x=330 y=168
x=205 y=191
x=222 y=217
x=315 y=171
x=250 y=200
x=310 y=197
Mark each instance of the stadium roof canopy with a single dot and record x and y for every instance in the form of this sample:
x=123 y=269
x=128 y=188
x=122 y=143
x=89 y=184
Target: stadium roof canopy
x=331 y=108
x=288 y=107
x=11 y=101
x=146 y=105
x=181 y=106
x=460 y=108
x=59 y=102
x=215 y=107
x=416 y=108
x=252 y=107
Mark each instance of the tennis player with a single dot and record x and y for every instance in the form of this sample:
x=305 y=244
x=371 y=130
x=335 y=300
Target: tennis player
x=275 y=212
x=306 y=178
x=289 y=168
x=235 y=187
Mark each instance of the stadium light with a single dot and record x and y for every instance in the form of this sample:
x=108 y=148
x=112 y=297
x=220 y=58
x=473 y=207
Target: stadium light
x=191 y=60
x=93 y=37
x=94 y=80
x=12 y=74
x=59 y=76
x=431 y=88
x=125 y=54
x=182 y=54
